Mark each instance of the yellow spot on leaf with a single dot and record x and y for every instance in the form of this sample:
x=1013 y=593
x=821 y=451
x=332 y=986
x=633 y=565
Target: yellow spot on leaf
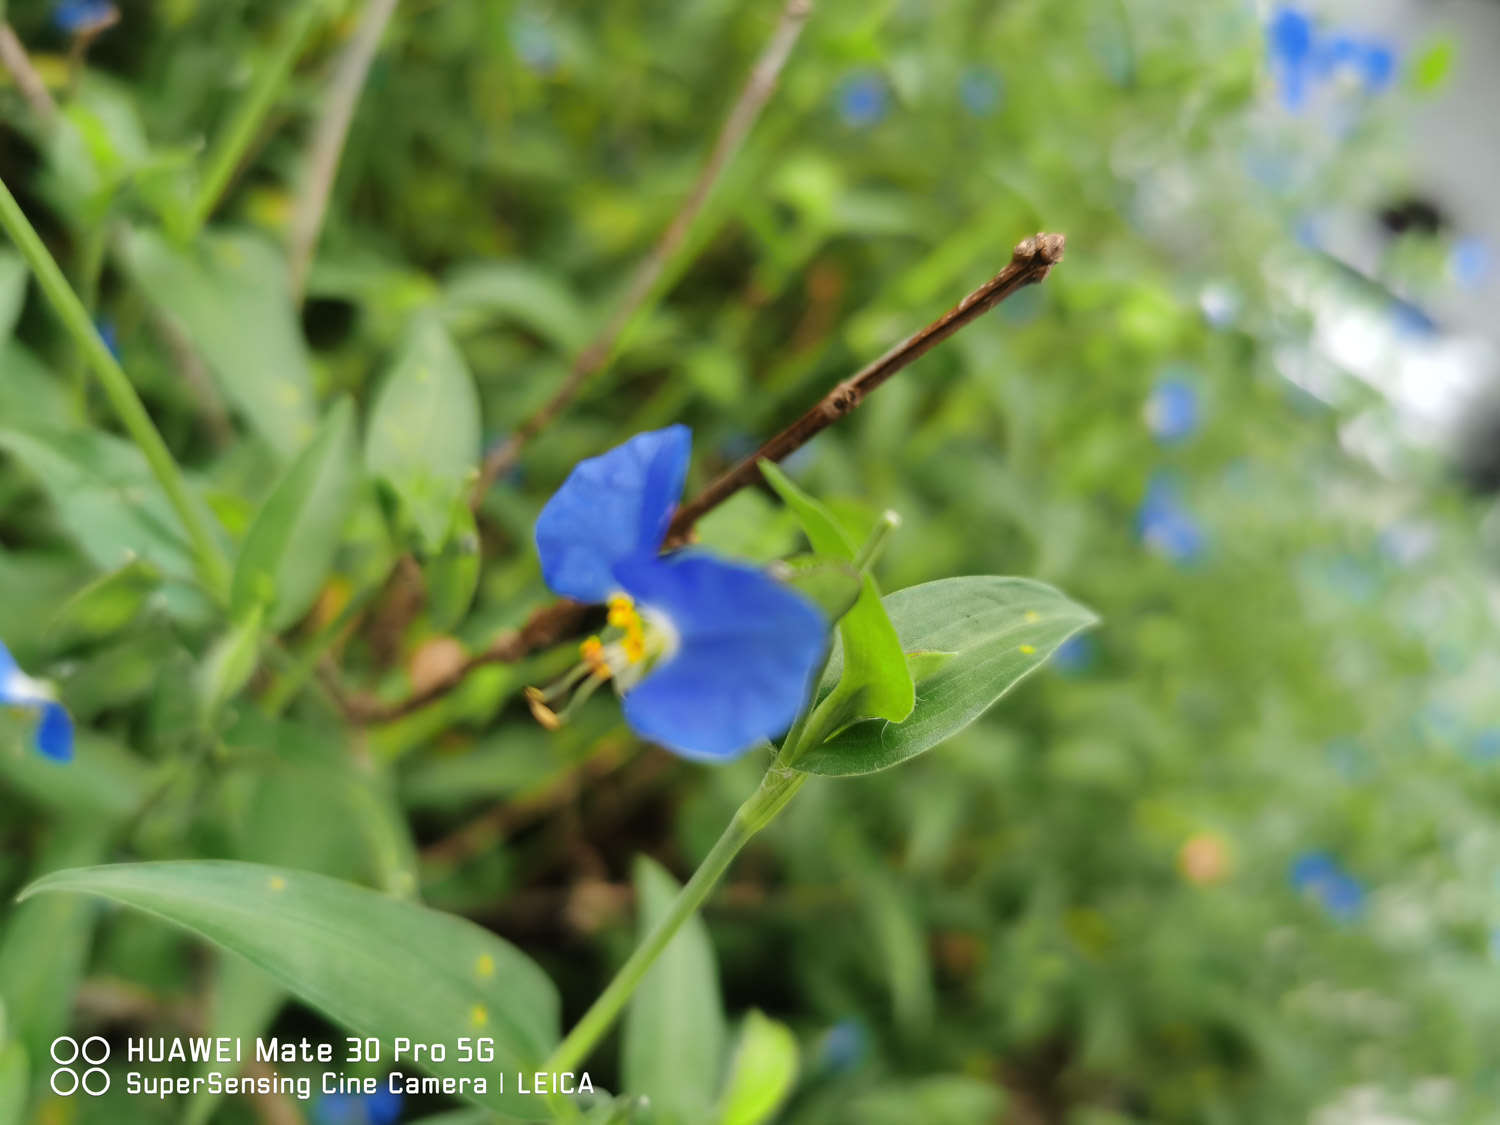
x=1033 y=616
x=478 y=1016
x=484 y=968
x=277 y=884
x=1028 y=649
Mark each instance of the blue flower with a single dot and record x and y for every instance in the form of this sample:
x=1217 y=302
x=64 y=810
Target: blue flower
x=1075 y=655
x=382 y=1108
x=535 y=44
x=81 y=17
x=1469 y=262
x=845 y=1047
x=1322 y=878
x=1300 y=56
x=1166 y=527
x=1290 y=42
x=862 y=100
x=979 y=90
x=54 y=733
x=710 y=656
x=1172 y=409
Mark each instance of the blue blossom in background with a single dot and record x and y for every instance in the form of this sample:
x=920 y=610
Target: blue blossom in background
x=383 y=1108
x=1075 y=655
x=80 y=17
x=1302 y=56
x=1172 y=409
x=710 y=656
x=1166 y=526
x=1486 y=746
x=107 y=333
x=1322 y=878
x=54 y=732
x=862 y=100
x=1469 y=262
x=979 y=90
x=844 y=1047
x=535 y=44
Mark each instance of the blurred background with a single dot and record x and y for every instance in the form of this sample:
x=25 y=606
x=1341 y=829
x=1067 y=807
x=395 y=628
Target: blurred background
x=1233 y=857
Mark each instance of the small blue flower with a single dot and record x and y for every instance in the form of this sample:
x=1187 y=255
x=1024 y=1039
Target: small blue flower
x=80 y=17
x=845 y=1046
x=1289 y=38
x=1075 y=655
x=1172 y=409
x=1322 y=878
x=710 y=656
x=979 y=90
x=1166 y=527
x=107 y=333
x=54 y=733
x=862 y=100
x=535 y=44
x=1301 y=56
x=1469 y=262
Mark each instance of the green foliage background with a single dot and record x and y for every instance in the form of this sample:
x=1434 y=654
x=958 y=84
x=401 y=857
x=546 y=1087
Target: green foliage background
x=1009 y=929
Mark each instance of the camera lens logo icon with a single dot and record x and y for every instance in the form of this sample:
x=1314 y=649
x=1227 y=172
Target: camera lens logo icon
x=78 y=1066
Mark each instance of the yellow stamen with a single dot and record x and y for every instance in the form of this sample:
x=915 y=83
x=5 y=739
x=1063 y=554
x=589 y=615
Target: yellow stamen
x=622 y=611
x=593 y=656
x=543 y=714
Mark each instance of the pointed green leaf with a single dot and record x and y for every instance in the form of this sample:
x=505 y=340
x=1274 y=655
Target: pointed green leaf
x=832 y=585
x=876 y=678
x=232 y=295
x=1000 y=630
x=762 y=1072
x=674 y=1027
x=106 y=605
x=423 y=440
x=291 y=544
x=474 y=294
x=228 y=666
x=375 y=965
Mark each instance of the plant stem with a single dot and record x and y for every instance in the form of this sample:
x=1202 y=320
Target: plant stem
x=236 y=140
x=213 y=567
x=776 y=789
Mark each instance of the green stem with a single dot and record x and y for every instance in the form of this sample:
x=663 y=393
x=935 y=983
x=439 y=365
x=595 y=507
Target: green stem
x=237 y=138
x=213 y=567
x=777 y=788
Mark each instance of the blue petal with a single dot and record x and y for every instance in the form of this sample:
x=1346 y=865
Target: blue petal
x=54 y=734
x=748 y=649
x=612 y=508
x=7 y=667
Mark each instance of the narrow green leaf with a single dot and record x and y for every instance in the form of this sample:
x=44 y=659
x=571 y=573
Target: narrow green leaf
x=232 y=295
x=291 y=544
x=474 y=294
x=375 y=965
x=228 y=666
x=875 y=680
x=834 y=586
x=106 y=605
x=13 y=277
x=762 y=1072
x=12 y=1084
x=674 y=1027
x=1000 y=630
x=105 y=497
x=423 y=439
x=453 y=576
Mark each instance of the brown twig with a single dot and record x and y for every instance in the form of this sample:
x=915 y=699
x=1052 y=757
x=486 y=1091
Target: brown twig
x=328 y=139
x=593 y=359
x=14 y=58
x=1030 y=263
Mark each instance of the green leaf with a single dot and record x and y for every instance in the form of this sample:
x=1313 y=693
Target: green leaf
x=12 y=1084
x=476 y=293
x=228 y=666
x=674 y=1027
x=453 y=576
x=106 y=605
x=13 y=277
x=1433 y=66
x=875 y=680
x=105 y=496
x=423 y=439
x=231 y=293
x=375 y=965
x=762 y=1072
x=999 y=630
x=833 y=586
x=290 y=546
